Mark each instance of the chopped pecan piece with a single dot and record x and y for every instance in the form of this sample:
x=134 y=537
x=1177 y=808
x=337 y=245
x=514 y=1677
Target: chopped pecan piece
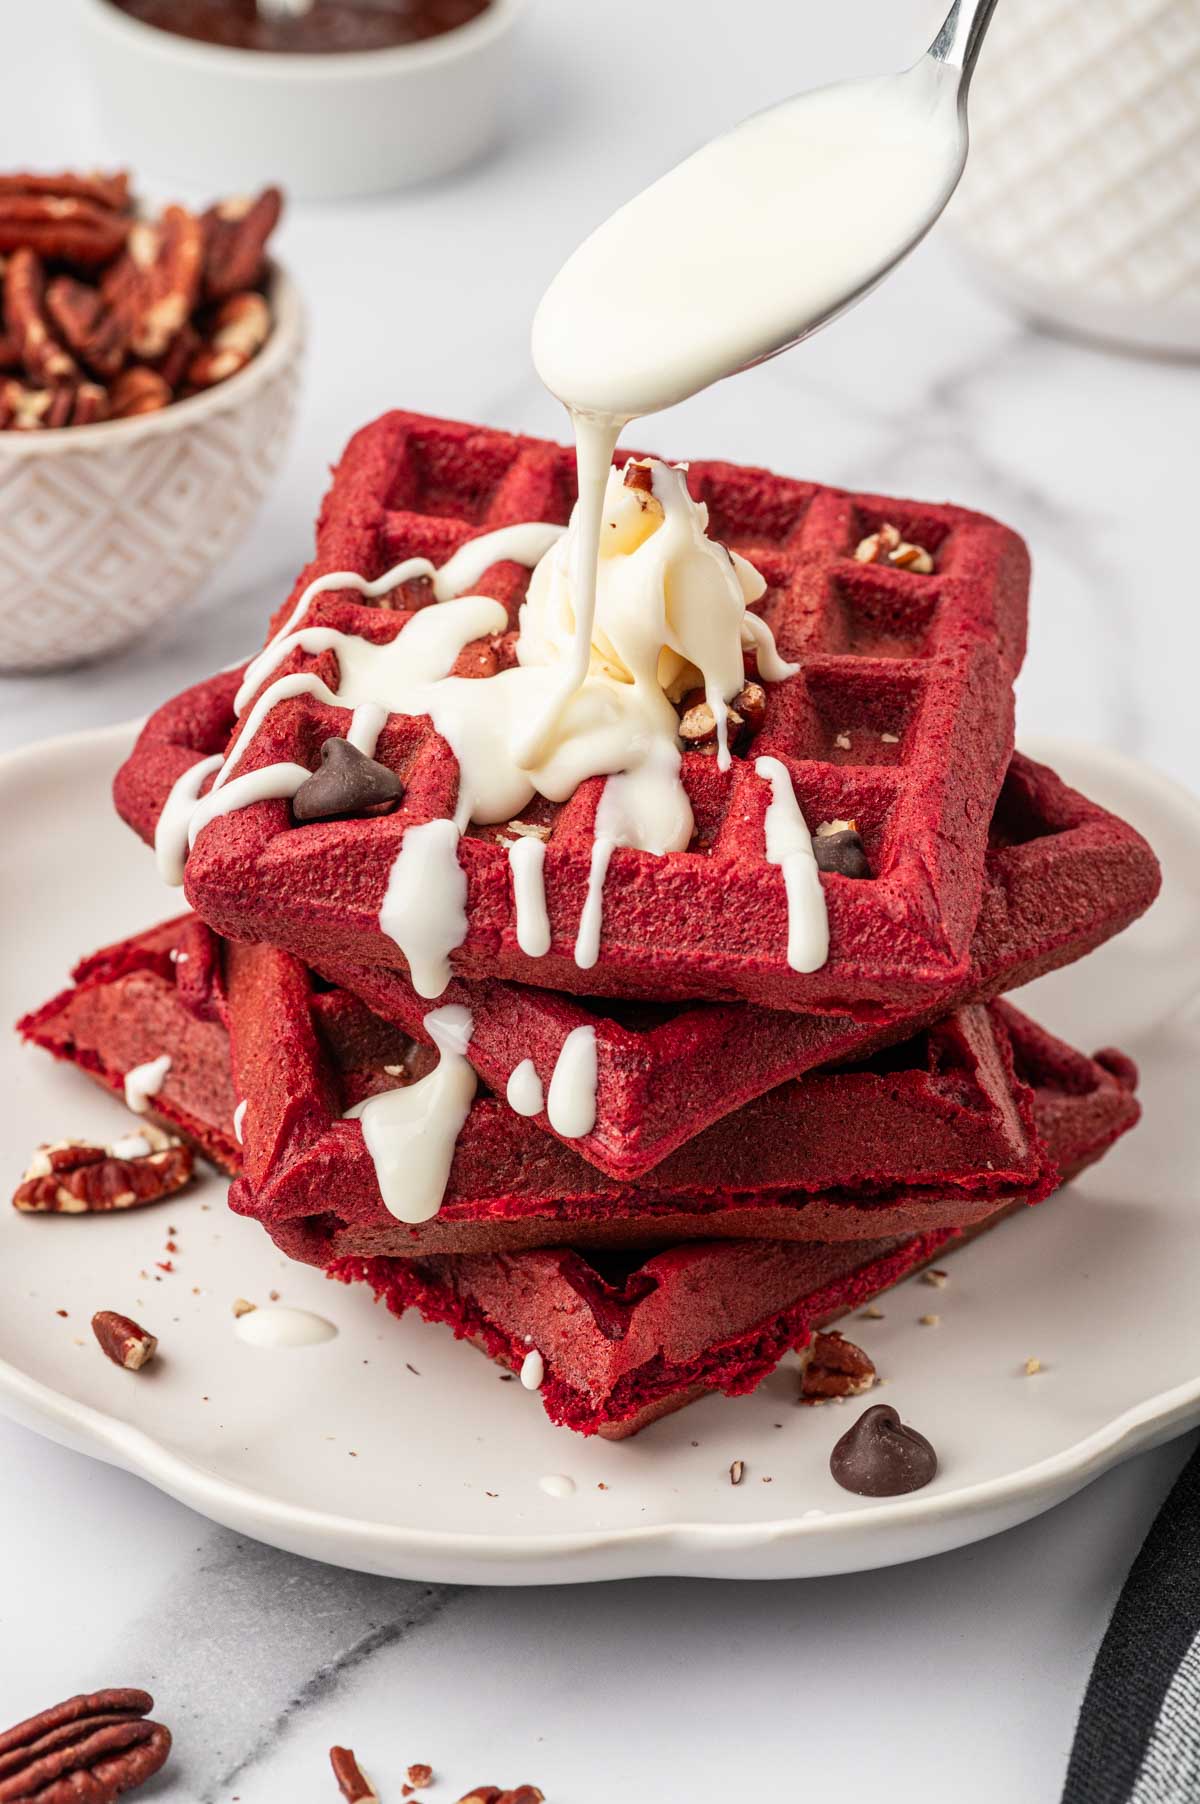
x=95 y=334
x=888 y=547
x=419 y=1774
x=172 y=366
x=90 y=1748
x=236 y=233
x=835 y=1367
x=743 y=716
x=639 y=476
x=28 y=323
x=137 y=390
x=240 y=328
x=353 y=1783
x=75 y=1177
x=23 y=409
x=65 y=230
x=123 y=1340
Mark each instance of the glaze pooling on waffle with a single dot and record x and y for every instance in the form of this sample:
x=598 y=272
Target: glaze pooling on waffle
x=899 y=718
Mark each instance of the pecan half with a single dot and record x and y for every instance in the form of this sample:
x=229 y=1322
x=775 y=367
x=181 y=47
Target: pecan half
x=123 y=1340
x=236 y=233
x=66 y=230
x=28 y=322
x=95 y=334
x=75 y=1177
x=105 y=190
x=834 y=1367
x=240 y=328
x=90 y=1748
x=137 y=390
x=154 y=287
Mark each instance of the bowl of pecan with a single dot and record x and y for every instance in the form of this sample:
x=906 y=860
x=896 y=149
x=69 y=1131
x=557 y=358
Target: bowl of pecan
x=148 y=374
x=352 y=96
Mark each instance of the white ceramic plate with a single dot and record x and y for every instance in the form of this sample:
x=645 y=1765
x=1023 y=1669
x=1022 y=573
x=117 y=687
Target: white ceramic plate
x=395 y=1450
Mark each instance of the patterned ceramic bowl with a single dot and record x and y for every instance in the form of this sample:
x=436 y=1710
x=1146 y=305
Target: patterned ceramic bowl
x=105 y=529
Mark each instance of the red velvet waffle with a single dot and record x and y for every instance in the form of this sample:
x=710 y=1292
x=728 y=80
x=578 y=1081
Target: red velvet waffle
x=900 y=718
x=932 y=1133
x=626 y=1340
x=136 y=1000
x=1061 y=876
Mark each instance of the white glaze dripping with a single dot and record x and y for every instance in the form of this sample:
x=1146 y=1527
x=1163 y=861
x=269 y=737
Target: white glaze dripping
x=789 y=845
x=145 y=1081
x=171 y=830
x=571 y=1100
x=533 y=1370
x=526 y=862
x=524 y=1089
x=411 y=1132
x=424 y=908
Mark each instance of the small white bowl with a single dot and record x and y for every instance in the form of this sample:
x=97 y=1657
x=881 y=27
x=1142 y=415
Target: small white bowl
x=323 y=126
x=105 y=529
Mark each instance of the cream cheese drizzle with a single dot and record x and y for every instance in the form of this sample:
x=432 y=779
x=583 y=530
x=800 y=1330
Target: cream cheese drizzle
x=524 y=1089
x=145 y=1081
x=533 y=1370
x=424 y=908
x=571 y=1101
x=789 y=845
x=280 y=1328
x=171 y=830
x=526 y=862
x=411 y=1132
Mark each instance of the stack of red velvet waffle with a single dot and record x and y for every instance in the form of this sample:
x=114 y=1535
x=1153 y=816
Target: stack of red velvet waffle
x=767 y=1148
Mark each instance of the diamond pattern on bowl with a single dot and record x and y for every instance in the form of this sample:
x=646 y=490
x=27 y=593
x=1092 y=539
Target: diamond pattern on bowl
x=107 y=535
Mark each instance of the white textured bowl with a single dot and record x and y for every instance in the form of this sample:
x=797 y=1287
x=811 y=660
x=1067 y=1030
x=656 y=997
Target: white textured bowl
x=322 y=126
x=105 y=529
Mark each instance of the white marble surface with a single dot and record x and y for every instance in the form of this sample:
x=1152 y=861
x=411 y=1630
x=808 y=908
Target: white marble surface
x=958 y=1676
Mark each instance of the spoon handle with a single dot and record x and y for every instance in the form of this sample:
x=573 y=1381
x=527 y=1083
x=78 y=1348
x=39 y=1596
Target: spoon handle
x=959 y=40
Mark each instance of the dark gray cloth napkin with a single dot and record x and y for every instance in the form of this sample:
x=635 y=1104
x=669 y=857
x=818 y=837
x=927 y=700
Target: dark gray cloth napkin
x=1138 y=1736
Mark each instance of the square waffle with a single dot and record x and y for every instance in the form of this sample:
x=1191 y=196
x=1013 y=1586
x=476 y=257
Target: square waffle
x=899 y=718
x=1061 y=875
x=624 y=1340
x=931 y=1134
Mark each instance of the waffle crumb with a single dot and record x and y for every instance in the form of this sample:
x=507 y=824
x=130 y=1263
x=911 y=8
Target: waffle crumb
x=1031 y=1366
x=242 y=1306
x=843 y=742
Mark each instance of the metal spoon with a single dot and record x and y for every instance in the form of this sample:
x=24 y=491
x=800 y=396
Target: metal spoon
x=760 y=237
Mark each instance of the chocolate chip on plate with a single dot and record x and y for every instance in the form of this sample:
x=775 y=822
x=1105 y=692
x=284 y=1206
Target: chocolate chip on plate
x=348 y=782
x=841 y=852
x=881 y=1456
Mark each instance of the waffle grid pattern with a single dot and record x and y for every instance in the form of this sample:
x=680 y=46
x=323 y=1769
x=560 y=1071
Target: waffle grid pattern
x=900 y=719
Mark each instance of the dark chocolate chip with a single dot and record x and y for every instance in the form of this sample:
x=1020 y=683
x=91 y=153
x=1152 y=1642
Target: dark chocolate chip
x=348 y=782
x=881 y=1456
x=841 y=852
